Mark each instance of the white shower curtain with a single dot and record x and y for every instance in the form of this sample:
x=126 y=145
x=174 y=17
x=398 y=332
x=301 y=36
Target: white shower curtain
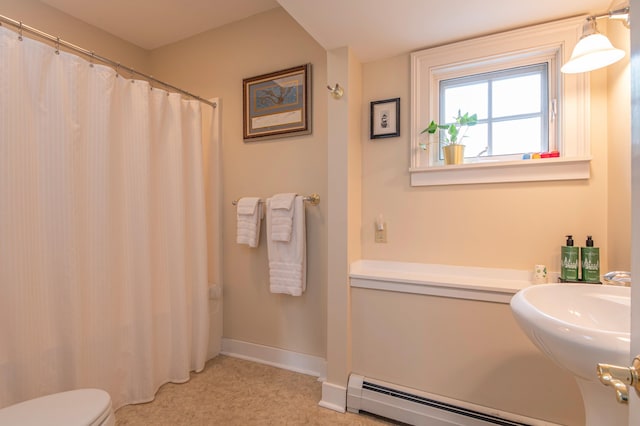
x=103 y=276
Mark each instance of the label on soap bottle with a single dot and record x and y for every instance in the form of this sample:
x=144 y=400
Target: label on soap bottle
x=569 y=263
x=591 y=264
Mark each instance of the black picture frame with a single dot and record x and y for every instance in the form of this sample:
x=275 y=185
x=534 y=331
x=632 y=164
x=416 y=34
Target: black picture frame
x=385 y=119
x=277 y=104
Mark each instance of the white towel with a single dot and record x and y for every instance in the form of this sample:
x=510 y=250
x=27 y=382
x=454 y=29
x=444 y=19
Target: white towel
x=281 y=209
x=288 y=259
x=249 y=215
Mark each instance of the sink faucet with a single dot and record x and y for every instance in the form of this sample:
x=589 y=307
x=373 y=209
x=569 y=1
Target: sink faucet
x=618 y=378
x=619 y=278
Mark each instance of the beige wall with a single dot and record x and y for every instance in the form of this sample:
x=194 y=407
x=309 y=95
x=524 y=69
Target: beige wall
x=467 y=350
x=345 y=190
x=214 y=64
x=426 y=342
x=523 y=223
x=506 y=225
x=58 y=24
x=619 y=154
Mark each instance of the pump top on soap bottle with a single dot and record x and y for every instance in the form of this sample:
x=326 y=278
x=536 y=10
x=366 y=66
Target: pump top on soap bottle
x=589 y=242
x=570 y=240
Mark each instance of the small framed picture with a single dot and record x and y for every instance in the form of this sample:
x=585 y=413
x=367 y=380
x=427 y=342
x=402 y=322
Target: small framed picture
x=277 y=104
x=385 y=118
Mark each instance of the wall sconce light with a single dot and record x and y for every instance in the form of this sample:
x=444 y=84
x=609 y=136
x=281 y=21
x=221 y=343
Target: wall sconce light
x=594 y=50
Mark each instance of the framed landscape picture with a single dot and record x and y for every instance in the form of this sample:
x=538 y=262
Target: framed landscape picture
x=277 y=104
x=385 y=118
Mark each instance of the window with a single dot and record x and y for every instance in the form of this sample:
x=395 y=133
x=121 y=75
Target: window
x=524 y=105
x=512 y=107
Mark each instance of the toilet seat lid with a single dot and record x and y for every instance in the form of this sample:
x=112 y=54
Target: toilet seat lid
x=80 y=407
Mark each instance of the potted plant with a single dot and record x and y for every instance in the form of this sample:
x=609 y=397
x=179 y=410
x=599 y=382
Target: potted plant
x=453 y=134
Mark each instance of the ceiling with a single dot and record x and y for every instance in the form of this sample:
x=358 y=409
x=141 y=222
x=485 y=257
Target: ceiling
x=374 y=29
x=154 y=23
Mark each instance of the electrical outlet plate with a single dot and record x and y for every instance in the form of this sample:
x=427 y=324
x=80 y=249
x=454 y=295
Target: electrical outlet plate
x=381 y=235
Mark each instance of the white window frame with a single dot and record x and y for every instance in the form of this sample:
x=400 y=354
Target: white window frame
x=536 y=66
x=551 y=43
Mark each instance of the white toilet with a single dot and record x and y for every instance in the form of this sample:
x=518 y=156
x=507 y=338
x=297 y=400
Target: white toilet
x=81 y=407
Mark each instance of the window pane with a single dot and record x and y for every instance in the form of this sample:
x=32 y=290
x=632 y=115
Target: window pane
x=472 y=98
x=514 y=96
x=476 y=140
x=517 y=137
x=511 y=105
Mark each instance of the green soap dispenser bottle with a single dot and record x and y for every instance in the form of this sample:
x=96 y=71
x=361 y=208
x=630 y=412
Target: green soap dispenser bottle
x=569 y=261
x=590 y=257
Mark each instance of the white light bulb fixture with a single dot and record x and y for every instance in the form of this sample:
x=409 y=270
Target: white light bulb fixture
x=594 y=50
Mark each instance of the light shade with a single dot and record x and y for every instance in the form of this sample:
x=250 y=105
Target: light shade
x=592 y=52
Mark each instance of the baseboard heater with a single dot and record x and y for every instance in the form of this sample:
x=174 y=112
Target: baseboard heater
x=418 y=408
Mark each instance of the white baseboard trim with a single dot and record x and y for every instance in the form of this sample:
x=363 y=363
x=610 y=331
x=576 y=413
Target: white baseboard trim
x=288 y=360
x=334 y=397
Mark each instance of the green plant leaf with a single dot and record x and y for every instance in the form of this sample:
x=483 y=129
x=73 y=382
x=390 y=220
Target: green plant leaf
x=467 y=120
x=453 y=133
x=433 y=126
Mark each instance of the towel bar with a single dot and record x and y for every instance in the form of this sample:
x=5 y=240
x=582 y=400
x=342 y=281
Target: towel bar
x=313 y=199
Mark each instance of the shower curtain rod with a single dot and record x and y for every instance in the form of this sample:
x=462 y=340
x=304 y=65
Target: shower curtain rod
x=58 y=42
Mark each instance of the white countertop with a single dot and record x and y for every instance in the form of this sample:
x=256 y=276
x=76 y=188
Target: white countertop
x=487 y=284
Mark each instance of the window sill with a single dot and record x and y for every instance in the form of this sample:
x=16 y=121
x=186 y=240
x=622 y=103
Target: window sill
x=543 y=169
x=458 y=282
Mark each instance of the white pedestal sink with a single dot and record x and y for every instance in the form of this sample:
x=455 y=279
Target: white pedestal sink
x=579 y=326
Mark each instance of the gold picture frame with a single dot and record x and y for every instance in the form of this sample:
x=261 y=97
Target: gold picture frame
x=277 y=104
